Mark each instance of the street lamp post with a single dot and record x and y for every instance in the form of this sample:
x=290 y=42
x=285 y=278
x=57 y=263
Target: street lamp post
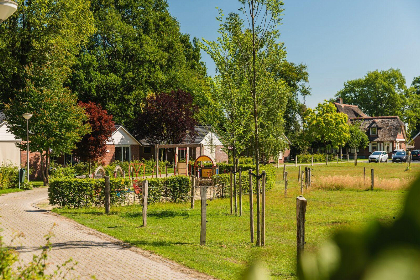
x=27 y=116
x=7 y=8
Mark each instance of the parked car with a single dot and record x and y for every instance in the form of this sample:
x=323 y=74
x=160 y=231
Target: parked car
x=415 y=155
x=400 y=156
x=378 y=156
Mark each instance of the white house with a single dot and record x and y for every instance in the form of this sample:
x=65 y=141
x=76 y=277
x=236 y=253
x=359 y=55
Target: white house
x=9 y=152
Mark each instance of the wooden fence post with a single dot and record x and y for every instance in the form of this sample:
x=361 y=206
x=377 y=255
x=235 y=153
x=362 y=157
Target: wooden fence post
x=301 y=183
x=312 y=161
x=145 y=194
x=251 y=207
x=203 y=191
x=299 y=173
x=364 y=175
x=285 y=185
x=193 y=179
x=284 y=170
x=240 y=191
x=296 y=160
x=107 y=201
x=310 y=177
x=372 y=175
x=263 y=177
x=326 y=161
x=231 y=193
x=300 y=217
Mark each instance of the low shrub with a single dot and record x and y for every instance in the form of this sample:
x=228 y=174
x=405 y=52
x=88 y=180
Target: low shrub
x=76 y=193
x=9 y=176
x=307 y=158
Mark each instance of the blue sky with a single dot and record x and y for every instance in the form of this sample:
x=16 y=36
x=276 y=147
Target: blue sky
x=337 y=40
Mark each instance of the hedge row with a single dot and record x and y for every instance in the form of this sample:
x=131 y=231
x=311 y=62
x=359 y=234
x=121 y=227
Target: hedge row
x=78 y=193
x=307 y=158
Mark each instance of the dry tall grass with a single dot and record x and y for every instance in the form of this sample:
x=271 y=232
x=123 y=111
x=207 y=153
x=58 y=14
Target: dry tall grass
x=342 y=182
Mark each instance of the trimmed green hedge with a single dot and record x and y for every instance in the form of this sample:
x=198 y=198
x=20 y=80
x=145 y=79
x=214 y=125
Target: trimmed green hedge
x=78 y=193
x=307 y=158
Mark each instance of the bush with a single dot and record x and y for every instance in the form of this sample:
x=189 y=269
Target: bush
x=307 y=158
x=78 y=193
x=9 y=176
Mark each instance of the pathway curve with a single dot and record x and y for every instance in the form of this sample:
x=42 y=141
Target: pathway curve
x=95 y=253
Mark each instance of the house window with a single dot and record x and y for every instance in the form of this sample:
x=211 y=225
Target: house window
x=147 y=150
x=374 y=146
x=374 y=130
x=122 y=153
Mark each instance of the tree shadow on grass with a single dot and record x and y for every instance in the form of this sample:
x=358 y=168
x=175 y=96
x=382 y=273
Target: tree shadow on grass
x=158 y=214
x=140 y=243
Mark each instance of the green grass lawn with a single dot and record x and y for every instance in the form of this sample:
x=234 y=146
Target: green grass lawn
x=173 y=230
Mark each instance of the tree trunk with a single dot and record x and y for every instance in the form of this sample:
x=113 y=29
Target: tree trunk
x=254 y=97
x=42 y=167
x=355 y=157
x=47 y=167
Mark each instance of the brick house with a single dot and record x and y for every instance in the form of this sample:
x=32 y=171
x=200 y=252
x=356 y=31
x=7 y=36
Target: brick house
x=385 y=133
x=205 y=142
x=121 y=146
x=416 y=141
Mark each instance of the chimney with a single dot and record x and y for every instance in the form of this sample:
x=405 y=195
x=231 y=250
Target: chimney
x=340 y=100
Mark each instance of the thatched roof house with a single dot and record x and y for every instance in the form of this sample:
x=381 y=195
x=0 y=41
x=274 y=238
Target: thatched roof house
x=386 y=133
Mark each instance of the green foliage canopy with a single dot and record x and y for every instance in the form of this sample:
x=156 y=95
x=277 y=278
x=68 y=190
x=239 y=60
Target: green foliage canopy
x=137 y=50
x=325 y=125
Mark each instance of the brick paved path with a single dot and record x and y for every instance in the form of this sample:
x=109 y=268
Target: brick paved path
x=96 y=253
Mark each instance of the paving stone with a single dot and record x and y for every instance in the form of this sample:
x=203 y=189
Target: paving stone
x=96 y=254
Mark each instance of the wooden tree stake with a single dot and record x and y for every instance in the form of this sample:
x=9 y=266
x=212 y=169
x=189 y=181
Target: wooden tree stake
x=251 y=206
x=203 y=192
x=145 y=194
x=193 y=179
x=300 y=218
x=107 y=201
x=285 y=185
x=372 y=175
x=240 y=192
x=231 y=192
x=263 y=209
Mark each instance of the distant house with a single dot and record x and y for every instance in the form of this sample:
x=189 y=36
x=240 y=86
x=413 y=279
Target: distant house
x=121 y=146
x=386 y=133
x=204 y=142
x=9 y=152
x=211 y=144
x=416 y=141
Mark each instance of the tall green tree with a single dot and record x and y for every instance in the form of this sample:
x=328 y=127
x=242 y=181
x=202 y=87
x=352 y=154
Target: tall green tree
x=138 y=49
x=326 y=126
x=379 y=93
x=57 y=123
x=38 y=45
x=41 y=32
x=358 y=138
x=230 y=88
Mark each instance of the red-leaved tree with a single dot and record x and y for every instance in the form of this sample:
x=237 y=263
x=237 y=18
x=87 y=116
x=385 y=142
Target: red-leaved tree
x=92 y=147
x=166 y=118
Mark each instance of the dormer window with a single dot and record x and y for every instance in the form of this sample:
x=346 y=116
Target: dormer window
x=373 y=130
